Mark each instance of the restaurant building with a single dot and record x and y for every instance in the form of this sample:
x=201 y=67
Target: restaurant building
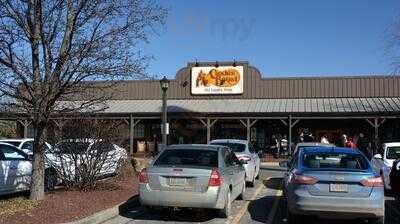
x=209 y=100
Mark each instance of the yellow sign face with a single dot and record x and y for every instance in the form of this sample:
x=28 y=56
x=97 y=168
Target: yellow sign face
x=221 y=80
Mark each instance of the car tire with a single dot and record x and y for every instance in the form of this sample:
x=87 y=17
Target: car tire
x=380 y=220
x=226 y=211
x=242 y=194
x=50 y=180
x=253 y=181
x=258 y=174
x=295 y=219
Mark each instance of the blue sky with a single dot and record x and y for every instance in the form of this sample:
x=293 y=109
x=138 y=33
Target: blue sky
x=281 y=38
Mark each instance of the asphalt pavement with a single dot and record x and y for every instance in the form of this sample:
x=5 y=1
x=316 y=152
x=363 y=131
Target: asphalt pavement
x=264 y=204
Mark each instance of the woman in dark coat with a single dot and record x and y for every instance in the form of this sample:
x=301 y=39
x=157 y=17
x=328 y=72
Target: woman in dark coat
x=395 y=179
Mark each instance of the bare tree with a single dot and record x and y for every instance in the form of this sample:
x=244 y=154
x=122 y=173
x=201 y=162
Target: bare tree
x=392 y=47
x=50 y=49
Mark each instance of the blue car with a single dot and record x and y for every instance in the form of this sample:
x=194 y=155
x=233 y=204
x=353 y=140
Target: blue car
x=333 y=182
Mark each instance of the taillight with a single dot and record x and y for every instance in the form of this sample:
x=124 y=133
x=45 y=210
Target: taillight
x=244 y=158
x=143 y=178
x=372 y=182
x=215 y=179
x=300 y=179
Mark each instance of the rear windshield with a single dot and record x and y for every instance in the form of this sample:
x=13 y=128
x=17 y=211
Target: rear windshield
x=334 y=161
x=188 y=157
x=16 y=144
x=235 y=147
x=393 y=152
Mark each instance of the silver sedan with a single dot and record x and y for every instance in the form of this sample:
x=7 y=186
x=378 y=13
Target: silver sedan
x=193 y=176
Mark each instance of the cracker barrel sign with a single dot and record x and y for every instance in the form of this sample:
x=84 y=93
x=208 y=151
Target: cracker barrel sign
x=217 y=80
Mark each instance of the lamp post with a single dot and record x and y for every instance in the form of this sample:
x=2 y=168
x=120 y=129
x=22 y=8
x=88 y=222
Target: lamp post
x=164 y=82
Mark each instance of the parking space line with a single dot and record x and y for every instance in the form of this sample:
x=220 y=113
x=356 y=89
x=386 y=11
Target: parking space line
x=274 y=208
x=243 y=210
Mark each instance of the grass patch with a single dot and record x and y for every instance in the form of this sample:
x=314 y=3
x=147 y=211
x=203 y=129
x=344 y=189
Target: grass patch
x=14 y=205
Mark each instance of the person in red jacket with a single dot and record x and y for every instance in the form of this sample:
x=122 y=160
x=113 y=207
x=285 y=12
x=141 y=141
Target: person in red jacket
x=350 y=144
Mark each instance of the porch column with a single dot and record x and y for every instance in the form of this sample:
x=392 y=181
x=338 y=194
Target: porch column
x=248 y=124
x=208 y=124
x=290 y=126
x=132 y=123
x=376 y=124
x=59 y=124
x=26 y=124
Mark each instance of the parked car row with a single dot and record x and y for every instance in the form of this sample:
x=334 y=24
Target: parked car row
x=62 y=159
x=200 y=176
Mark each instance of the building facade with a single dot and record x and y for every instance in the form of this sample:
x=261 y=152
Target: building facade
x=234 y=100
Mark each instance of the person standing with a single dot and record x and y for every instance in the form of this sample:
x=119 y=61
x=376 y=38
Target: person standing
x=395 y=179
x=350 y=144
x=324 y=139
x=363 y=146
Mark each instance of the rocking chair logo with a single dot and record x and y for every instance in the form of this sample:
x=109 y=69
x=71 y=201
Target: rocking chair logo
x=221 y=80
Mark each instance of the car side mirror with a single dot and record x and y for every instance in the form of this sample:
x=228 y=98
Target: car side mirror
x=242 y=161
x=284 y=164
x=378 y=156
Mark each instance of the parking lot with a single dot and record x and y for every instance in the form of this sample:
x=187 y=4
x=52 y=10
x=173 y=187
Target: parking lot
x=264 y=204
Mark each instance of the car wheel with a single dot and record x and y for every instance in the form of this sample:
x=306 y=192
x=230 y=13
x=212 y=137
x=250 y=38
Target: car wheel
x=258 y=174
x=380 y=220
x=253 y=181
x=50 y=180
x=226 y=211
x=295 y=219
x=242 y=194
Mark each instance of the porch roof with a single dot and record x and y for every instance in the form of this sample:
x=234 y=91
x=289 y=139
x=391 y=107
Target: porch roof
x=382 y=105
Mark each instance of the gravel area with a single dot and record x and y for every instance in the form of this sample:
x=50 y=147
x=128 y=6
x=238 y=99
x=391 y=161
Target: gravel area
x=65 y=206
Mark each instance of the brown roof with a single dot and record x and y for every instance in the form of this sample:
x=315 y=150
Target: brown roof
x=257 y=87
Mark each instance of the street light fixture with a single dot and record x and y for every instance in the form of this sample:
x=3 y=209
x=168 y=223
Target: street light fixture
x=164 y=82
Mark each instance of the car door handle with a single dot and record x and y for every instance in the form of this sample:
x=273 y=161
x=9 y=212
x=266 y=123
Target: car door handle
x=13 y=167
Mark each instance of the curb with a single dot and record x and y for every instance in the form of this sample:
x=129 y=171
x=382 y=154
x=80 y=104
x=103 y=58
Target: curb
x=109 y=213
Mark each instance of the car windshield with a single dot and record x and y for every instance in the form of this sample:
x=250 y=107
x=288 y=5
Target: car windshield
x=188 y=157
x=235 y=147
x=72 y=147
x=16 y=144
x=393 y=152
x=342 y=161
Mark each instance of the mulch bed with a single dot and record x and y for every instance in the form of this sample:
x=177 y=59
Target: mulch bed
x=63 y=206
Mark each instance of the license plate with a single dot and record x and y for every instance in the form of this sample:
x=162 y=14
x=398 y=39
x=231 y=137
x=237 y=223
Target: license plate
x=338 y=188
x=177 y=181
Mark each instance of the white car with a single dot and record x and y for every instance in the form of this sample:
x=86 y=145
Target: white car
x=24 y=144
x=244 y=151
x=383 y=162
x=16 y=170
x=69 y=154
